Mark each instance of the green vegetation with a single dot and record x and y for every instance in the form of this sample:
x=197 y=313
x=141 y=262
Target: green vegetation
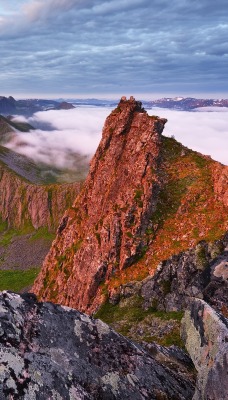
x=3 y=226
x=129 y=234
x=17 y=280
x=138 y=194
x=124 y=317
x=43 y=233
x=201 y=256
x=137 y=197
x=6 y=235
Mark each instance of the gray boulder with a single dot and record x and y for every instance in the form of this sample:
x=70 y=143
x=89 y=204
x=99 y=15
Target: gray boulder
x=205 y=333
x=52 y=352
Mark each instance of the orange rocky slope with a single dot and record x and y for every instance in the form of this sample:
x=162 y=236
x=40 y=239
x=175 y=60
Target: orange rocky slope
x=146 y=197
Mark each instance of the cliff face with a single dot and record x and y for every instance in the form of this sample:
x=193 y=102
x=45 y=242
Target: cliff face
x=24 y=204
x=103 y=232
x=146 y=198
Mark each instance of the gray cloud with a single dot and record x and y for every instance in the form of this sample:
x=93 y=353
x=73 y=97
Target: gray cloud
x=79 y=46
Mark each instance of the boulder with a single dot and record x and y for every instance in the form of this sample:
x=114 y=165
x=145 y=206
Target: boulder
x=49 y=351
x=205 y=333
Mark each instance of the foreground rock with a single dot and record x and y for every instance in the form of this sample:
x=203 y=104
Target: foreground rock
x=53 y=352
x=205 y=333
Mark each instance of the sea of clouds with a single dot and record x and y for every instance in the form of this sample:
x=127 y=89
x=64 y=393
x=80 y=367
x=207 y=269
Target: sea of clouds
x=59 y=134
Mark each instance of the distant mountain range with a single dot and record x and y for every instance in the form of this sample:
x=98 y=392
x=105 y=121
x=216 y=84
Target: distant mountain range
x=185 y=104
x=8 y=105
x=177 y=103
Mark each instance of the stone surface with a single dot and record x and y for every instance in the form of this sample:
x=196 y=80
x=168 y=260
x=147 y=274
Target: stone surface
x=205 y=333
x=53 y=352
x=199 y=272
x=221 y=183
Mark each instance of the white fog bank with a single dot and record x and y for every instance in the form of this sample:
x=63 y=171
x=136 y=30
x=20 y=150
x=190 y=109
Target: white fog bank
x=203 y=131
x=79 y=131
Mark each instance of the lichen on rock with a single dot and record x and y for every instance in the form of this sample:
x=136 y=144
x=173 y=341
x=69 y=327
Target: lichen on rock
x=205 y=334
x=49 y=351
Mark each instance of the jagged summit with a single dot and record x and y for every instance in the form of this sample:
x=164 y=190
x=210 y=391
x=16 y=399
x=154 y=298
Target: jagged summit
x=104 y=230
x=146 y=197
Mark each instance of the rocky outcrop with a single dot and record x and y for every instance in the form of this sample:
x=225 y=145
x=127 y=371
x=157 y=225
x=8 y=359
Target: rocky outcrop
x=53 y=352
x=23 y=204
x=220 y=176
x=205 y=334
x=104 y=230
x=199 y=272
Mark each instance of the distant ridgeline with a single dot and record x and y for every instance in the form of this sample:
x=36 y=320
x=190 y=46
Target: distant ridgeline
x=8 y=105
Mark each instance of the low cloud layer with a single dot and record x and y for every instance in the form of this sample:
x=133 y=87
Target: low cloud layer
x=203 y=131
x=78 y=131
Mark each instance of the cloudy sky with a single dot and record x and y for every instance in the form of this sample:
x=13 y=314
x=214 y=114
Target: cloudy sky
x=113 y=47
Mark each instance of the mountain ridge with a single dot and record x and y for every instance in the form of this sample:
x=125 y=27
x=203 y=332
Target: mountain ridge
x=146 y=198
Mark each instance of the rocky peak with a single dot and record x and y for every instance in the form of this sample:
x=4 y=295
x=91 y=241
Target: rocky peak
x=104 y=230
x=146 y=198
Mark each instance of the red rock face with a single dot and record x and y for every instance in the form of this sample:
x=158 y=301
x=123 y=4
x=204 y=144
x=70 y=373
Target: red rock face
x=220 y=176
x=23 y=203
x=104 y=230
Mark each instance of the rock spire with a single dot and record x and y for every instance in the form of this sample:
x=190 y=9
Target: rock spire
x=103 y=232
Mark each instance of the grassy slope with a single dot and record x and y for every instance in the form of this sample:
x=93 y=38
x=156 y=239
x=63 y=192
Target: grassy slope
x=129 y=319
x=18 y=280
x=12 y=278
